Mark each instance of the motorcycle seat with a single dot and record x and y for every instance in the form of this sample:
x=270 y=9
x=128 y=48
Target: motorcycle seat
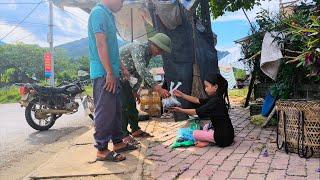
x=50 y=90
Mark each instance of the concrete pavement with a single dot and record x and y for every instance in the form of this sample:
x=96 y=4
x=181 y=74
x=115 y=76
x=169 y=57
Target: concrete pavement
x=22 y=149
x=156 y=160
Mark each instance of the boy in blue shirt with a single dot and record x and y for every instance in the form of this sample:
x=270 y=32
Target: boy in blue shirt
x=104 y=71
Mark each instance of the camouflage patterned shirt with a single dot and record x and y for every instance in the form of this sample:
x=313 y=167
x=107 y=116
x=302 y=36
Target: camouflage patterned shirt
x=136 y=57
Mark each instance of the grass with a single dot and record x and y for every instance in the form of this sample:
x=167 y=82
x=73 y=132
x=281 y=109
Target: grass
x=9 y=95
x=89 y=90
x=238 y=92
x=238 y=96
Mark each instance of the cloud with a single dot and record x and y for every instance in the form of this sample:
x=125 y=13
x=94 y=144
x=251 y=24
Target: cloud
x=71 y=21
x=20 y=33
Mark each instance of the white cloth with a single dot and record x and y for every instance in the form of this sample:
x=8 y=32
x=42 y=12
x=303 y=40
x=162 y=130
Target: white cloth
x=270 y=55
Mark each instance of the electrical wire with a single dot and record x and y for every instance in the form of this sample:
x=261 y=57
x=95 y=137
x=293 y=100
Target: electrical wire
x=25 y=22
x=22 y=3
x=25 y=37
x=84 y=21
x=12 y=30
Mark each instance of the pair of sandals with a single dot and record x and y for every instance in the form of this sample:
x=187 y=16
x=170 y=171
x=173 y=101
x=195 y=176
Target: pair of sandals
x=131 y=144
x=115 y=156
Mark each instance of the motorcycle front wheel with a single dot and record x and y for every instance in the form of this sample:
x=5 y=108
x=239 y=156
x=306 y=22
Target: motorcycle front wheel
x=38 y=124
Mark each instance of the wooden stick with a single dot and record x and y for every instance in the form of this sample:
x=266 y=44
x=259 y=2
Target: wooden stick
x=269 y=117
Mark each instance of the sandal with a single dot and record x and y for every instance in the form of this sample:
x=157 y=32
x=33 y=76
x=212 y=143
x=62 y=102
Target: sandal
x=131 y=140
x=113 y=157
x=128 y=147
x=142 y=135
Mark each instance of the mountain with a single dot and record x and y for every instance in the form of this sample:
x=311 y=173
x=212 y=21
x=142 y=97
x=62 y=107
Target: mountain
x=222 y=54
x=1 y=43
x=79 y=48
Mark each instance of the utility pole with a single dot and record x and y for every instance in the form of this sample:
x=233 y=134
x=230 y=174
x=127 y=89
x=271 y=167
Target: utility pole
x=50 y=41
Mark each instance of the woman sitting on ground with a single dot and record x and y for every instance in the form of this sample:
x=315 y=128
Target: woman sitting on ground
x=216 y=107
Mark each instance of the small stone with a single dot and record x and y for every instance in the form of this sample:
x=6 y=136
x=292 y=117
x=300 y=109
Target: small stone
x=265 y=153
x=183 y=169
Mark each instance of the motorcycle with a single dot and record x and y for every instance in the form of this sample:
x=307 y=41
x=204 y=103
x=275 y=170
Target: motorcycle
x=44 y=105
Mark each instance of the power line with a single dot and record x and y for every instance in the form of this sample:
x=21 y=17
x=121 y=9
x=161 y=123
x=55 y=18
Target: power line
x=21 y=21
x=18 y=40
x=18 y=3
x=25 y=22
x=77 y=17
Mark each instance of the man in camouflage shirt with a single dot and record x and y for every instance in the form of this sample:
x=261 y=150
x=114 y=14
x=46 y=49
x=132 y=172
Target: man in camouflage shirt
x=135 y=58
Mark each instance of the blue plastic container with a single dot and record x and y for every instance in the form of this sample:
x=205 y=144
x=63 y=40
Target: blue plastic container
x=269 y=103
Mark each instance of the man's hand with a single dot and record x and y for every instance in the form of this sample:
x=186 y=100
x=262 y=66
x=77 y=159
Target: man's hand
x=137 y=97
x=162 y=92
x=111 y=83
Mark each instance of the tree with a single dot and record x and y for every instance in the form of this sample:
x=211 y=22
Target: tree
x=23 y=58
x=219 y=7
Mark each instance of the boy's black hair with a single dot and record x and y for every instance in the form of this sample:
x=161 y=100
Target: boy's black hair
x=218 y=79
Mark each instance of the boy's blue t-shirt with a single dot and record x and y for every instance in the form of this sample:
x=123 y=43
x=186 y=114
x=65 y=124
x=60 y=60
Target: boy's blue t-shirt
x=101 y=20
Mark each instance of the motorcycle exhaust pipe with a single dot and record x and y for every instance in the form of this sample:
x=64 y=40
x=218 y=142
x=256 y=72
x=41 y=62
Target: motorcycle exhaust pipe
x=54 y=111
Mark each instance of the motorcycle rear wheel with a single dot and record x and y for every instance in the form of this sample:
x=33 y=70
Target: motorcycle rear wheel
x=31 y=120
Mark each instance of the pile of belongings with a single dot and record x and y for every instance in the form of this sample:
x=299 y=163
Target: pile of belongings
x=185 y=135
x=172 y=100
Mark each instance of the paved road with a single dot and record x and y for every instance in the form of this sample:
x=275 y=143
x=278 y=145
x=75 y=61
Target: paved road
x=18 y=140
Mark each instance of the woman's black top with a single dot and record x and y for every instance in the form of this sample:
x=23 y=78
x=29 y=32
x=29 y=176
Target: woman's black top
x=216 y=109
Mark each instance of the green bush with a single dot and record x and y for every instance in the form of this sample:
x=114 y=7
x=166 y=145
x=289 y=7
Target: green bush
x=239 y=74
x=9 y=95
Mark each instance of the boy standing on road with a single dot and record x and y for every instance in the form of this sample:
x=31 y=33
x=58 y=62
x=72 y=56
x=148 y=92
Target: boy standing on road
x=104 y=70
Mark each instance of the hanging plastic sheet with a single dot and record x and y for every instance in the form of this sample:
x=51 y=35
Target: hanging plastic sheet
x=86 y=5
x=168 y=12
x=131 y=21
x=227 y=72
x=188 y=4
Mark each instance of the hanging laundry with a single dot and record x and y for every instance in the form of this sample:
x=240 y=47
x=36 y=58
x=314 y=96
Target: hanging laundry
x=168 y=12
x=270 y=55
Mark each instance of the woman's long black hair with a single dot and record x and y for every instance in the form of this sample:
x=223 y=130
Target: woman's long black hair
x=218 y=79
